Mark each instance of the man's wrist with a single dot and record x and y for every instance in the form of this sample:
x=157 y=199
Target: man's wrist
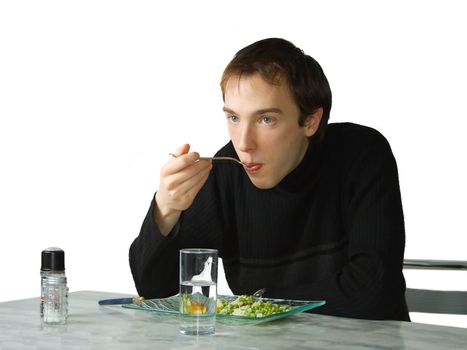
x=165 y=218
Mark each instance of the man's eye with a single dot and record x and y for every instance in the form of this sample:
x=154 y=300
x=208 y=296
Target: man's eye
x=233 y=119
x=267 y=120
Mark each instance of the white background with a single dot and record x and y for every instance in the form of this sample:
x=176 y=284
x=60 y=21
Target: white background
x=95 y=94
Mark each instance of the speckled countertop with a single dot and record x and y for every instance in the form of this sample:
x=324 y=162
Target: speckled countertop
x=91 y=326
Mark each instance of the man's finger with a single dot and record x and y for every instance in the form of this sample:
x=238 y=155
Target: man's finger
x=176 y=174
x=181 y=150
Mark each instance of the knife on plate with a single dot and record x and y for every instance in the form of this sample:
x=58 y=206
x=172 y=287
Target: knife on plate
x=120 y=301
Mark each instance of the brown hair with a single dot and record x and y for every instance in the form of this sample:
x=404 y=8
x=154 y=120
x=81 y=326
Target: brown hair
x=278 y=59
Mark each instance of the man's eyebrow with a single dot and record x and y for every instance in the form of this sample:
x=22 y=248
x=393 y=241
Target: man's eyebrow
x=228 y=110
x=259 y=111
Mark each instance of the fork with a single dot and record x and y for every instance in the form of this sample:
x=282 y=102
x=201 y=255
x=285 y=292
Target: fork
x=222 y=158
x=213 y=158
x=259 y=293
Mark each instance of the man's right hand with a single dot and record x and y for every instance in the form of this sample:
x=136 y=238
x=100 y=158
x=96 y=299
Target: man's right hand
x=181 y=178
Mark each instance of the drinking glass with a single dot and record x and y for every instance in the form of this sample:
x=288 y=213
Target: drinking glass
x=198 y=291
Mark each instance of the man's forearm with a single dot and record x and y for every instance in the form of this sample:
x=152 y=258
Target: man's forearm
x=153 y=260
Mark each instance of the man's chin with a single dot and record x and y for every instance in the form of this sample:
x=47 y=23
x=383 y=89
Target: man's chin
x=263 y=184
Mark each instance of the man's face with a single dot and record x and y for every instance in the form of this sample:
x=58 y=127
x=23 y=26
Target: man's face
x=263 y=126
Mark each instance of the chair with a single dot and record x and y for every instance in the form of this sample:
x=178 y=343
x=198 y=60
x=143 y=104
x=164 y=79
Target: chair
x=436 y=301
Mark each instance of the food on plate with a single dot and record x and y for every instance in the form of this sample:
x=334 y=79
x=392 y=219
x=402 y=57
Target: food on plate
x=245 y=305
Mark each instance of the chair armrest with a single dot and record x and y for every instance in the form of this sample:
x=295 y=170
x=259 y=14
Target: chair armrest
x=435 y=264
x=436 y=301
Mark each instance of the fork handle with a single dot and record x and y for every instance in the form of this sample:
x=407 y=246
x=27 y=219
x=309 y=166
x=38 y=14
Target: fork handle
x=221 y=158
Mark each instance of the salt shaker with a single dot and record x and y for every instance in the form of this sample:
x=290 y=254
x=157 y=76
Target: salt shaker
x=54 y=290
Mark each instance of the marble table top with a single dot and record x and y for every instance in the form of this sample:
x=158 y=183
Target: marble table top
x=91 y=326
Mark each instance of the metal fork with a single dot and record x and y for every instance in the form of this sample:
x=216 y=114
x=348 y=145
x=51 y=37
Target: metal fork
x=213 y=158
x=221 y=158
x=259 y=293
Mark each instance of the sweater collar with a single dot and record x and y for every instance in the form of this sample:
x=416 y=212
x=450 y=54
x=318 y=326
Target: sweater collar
x=302 y=177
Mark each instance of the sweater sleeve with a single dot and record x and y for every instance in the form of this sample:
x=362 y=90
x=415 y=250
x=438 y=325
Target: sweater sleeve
x=147 y=255
x=154 y=258
x=370 y=285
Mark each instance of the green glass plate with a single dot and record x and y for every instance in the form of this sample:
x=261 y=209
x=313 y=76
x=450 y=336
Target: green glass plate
x=171 y=306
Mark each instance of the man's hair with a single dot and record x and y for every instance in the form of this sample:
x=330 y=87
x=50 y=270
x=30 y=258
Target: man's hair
x=277 y=60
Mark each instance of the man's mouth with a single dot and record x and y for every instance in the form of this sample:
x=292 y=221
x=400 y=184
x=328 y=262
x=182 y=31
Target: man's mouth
x=252 y=167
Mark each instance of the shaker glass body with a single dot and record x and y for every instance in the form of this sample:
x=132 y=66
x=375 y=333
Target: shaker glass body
x=54 y=290
x=54 y=299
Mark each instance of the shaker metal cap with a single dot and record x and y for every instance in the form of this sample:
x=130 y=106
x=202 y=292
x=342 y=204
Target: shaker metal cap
x=53 y=259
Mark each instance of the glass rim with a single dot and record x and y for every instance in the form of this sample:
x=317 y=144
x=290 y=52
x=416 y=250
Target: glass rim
x=199 y=251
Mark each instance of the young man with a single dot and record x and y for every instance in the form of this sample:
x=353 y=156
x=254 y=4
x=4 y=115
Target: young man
x=315 y=212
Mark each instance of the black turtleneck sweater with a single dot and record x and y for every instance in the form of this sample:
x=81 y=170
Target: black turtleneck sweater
x=332 y=229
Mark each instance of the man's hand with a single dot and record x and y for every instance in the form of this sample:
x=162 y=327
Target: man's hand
x=181 y=178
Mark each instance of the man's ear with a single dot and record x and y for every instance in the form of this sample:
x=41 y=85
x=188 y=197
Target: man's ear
x=312 y=122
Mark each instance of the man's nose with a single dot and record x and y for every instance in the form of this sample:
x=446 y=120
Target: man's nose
x=247 y=139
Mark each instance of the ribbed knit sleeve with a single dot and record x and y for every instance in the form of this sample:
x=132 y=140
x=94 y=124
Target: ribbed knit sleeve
x=154 y=258
x=148 y=253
